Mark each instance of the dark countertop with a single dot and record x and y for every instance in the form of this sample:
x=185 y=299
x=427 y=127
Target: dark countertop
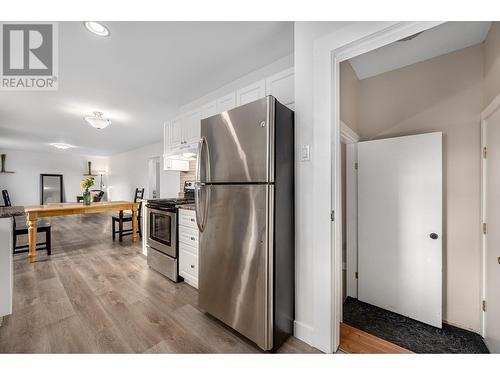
x=186 y=206
x=11 y=211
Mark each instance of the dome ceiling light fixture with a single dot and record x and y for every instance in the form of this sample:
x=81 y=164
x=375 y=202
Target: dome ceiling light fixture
x=96 y=28
x=61 y=146
x=97 y=121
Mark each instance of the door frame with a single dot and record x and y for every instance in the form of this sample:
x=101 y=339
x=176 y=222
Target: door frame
x=352 y=40
x=156 y=162
x=490 y=109
x=350 y=138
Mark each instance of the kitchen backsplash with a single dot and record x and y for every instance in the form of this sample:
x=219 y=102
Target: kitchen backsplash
x=187 y=176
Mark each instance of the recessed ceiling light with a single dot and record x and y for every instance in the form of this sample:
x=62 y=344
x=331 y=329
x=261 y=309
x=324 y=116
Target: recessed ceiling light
x=97 y=121
x=62 y=146
x=96 y=28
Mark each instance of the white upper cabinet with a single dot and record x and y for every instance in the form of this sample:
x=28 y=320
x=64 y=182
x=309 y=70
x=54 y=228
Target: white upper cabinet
x=208 y=110
x=281 y=86
x=250 y=93
x=176 y=132
x=184 y=131
x=191 y=127
x=166 y=136
x=225 y=103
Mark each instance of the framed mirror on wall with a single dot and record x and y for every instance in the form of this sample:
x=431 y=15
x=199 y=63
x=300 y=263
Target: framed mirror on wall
x=51 y=188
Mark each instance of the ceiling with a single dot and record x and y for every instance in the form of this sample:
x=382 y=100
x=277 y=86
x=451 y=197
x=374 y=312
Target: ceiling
x=442 y=39
x=138 y=77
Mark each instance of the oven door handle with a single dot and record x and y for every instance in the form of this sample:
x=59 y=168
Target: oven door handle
x=198 y=185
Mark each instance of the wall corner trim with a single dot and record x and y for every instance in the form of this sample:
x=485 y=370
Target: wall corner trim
x=303 y=332
x=491 y=108
x=347 y=135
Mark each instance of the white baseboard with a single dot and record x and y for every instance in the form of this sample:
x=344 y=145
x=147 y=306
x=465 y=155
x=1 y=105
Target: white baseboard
x=463 y=327
x=303 y=332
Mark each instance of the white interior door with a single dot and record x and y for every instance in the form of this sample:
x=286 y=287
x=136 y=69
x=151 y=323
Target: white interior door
x=400 y=225
x=492 y=254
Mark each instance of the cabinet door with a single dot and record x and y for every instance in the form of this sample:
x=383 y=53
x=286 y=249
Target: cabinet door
x=176 y=132
x=208 y=110
x=226 y=102
x=191 y=128
x=281 y=86
x=166 y=137
x=250 y=93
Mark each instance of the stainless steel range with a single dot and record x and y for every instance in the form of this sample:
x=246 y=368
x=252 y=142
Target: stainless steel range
x=162 y=233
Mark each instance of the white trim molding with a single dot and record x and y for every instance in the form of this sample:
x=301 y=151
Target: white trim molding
x=347 y=135
x=303 y=331
x=352 y=40
x=490 y=109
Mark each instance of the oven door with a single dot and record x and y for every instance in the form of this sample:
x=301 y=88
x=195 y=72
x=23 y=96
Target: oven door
x=162 y=231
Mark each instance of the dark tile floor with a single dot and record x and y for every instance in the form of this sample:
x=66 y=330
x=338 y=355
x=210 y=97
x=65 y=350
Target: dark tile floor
x=411 y=334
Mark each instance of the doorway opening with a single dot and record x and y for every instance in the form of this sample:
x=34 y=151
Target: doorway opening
x=154 y=168
x=406 y=229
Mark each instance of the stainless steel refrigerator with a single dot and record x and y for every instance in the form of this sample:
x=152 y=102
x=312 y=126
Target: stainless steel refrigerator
x=244 y=194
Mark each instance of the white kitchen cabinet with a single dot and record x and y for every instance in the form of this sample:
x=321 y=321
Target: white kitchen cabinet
x=281 y=86
x=250 y=93
x=226 y=102
x=208 y=110
x=166 y=136
x=188 y=247
x=176 y=132
x=6 y=270
x=188 y=264
x=182 y=133
x=190 y=132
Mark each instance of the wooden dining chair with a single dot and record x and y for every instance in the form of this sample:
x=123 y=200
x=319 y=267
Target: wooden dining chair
x=21 y=228
x=127 y=217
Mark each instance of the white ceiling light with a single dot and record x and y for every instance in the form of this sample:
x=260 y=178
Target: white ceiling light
x=96 y=28
x=62 y=146
x=97 y=121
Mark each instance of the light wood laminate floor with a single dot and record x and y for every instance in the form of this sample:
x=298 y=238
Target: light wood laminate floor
x=355 y=341
x=94 y=295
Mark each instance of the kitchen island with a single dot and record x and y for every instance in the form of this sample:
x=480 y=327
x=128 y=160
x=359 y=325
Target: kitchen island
x=6 y=284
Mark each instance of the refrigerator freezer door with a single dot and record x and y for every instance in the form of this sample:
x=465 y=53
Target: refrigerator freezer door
x=239 y=144
x=235 y=261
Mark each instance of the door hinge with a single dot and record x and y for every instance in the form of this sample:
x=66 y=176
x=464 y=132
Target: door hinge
x=356 y=275
x=483 y=305
x=485 y=152
x=484 y=228
x=332 y=215
x=356 y=166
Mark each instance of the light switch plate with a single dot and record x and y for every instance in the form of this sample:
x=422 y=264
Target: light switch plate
x=305 y=153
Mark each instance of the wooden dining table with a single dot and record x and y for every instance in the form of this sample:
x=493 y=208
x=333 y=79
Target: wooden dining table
x=62 y=209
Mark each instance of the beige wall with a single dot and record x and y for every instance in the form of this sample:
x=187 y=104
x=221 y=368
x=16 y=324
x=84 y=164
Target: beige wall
x=349 y=96
x=441 y=94
x=492 y=63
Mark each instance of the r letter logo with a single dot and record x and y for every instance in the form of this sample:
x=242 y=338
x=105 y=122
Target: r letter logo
x=28 y=56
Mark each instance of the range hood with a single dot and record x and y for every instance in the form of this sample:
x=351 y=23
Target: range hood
x=186 y=152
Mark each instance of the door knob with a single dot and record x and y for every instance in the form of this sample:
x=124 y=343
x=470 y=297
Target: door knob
x=498 y=260
x=434 y=236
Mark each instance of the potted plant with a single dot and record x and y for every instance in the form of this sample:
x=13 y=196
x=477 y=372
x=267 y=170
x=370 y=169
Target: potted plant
x=86 y=185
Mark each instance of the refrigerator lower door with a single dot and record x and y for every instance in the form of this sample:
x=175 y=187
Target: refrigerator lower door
x=235 y=268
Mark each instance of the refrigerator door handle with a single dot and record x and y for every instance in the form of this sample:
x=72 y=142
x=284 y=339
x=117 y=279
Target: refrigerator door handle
x=201 y=219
